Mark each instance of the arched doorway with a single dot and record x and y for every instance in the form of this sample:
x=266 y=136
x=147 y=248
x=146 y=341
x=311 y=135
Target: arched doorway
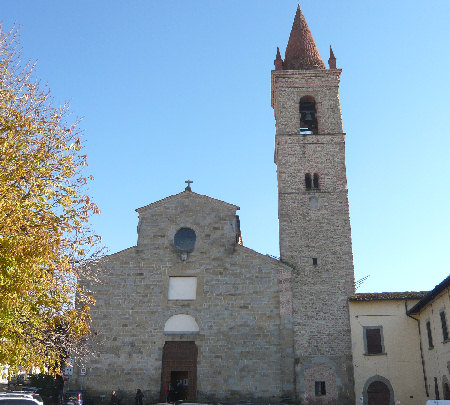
x=378 y=394
x=179 y=365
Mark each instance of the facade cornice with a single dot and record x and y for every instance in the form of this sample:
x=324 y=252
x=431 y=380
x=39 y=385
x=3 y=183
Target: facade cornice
x=187 y=194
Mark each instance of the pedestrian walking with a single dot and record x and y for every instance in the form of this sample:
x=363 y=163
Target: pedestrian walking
x=114 y=399
x=138 y=398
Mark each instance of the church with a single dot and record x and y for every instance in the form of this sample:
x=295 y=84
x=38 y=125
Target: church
x=189 y=303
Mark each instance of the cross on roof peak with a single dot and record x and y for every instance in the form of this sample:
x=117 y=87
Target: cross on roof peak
x=188 y=187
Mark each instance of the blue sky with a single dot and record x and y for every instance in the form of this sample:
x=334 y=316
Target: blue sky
x=170 y=90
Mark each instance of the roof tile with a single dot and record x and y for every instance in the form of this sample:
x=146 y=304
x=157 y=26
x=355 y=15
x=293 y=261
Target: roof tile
x=384 y=296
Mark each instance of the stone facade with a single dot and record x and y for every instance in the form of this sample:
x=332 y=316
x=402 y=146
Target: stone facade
x=315 y=224
x=242 y=308
x=247 y=326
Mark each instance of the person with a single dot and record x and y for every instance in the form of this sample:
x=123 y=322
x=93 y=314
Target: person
x=138 y=397
x=179 y=391
x=172 y=398
x=114 y=399
x=166 y=392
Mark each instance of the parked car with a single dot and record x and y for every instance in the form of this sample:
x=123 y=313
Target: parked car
x=75 y=398
x=16 y=380
x=33 y=393
x=23 y=393
x=17 y=401
x=37 y=397
x=18 y=398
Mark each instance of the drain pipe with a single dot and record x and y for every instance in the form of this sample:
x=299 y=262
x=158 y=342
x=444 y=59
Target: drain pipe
x=421 y=350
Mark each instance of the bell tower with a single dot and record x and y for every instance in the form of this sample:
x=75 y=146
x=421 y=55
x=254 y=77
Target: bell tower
x=313 y=213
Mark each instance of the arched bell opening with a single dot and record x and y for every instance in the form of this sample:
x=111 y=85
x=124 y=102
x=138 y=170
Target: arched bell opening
x=308 y=116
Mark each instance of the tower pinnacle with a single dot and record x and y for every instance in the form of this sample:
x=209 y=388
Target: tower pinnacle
x=278 y=62
x=332 y=59
x=301 y=51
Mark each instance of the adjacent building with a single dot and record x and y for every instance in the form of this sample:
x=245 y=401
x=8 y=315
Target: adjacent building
x=401 y=347
x=386 y=349
x=432 y=313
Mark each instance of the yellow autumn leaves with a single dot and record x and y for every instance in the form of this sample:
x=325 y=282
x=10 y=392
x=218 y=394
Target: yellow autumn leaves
x=46 y=245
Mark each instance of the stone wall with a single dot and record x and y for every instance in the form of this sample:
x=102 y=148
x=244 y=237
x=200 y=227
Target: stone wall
x=289 y=86
x=243 y=342
x=315 y=223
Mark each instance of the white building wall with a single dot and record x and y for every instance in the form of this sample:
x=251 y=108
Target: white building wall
x=437 y=358
x=400 y=365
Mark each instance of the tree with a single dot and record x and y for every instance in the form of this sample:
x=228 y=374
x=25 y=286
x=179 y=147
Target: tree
x=46 y=243
x=49 y=386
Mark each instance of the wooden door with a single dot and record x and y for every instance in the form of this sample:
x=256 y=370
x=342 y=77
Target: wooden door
x=378 y=394
x=179 y=365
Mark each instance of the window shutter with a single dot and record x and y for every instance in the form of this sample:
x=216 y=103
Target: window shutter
x=444 y=326
x=373 y=338
x=430 y=336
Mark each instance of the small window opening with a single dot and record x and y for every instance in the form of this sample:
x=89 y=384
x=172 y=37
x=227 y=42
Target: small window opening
x=430 y=336
x=373 y=340
x=308 y=182
x=237 y=226
x=316 y=180
x=444 y=326
x=308 y=119
x=320 y=388
x=314 y=261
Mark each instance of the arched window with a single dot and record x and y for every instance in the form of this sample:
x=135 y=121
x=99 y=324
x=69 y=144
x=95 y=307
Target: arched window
x=181 y=324
x=308 y=119
x=316 y=180
x=308 y=182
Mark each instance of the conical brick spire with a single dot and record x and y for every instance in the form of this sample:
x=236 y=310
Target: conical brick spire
x=301 y=50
